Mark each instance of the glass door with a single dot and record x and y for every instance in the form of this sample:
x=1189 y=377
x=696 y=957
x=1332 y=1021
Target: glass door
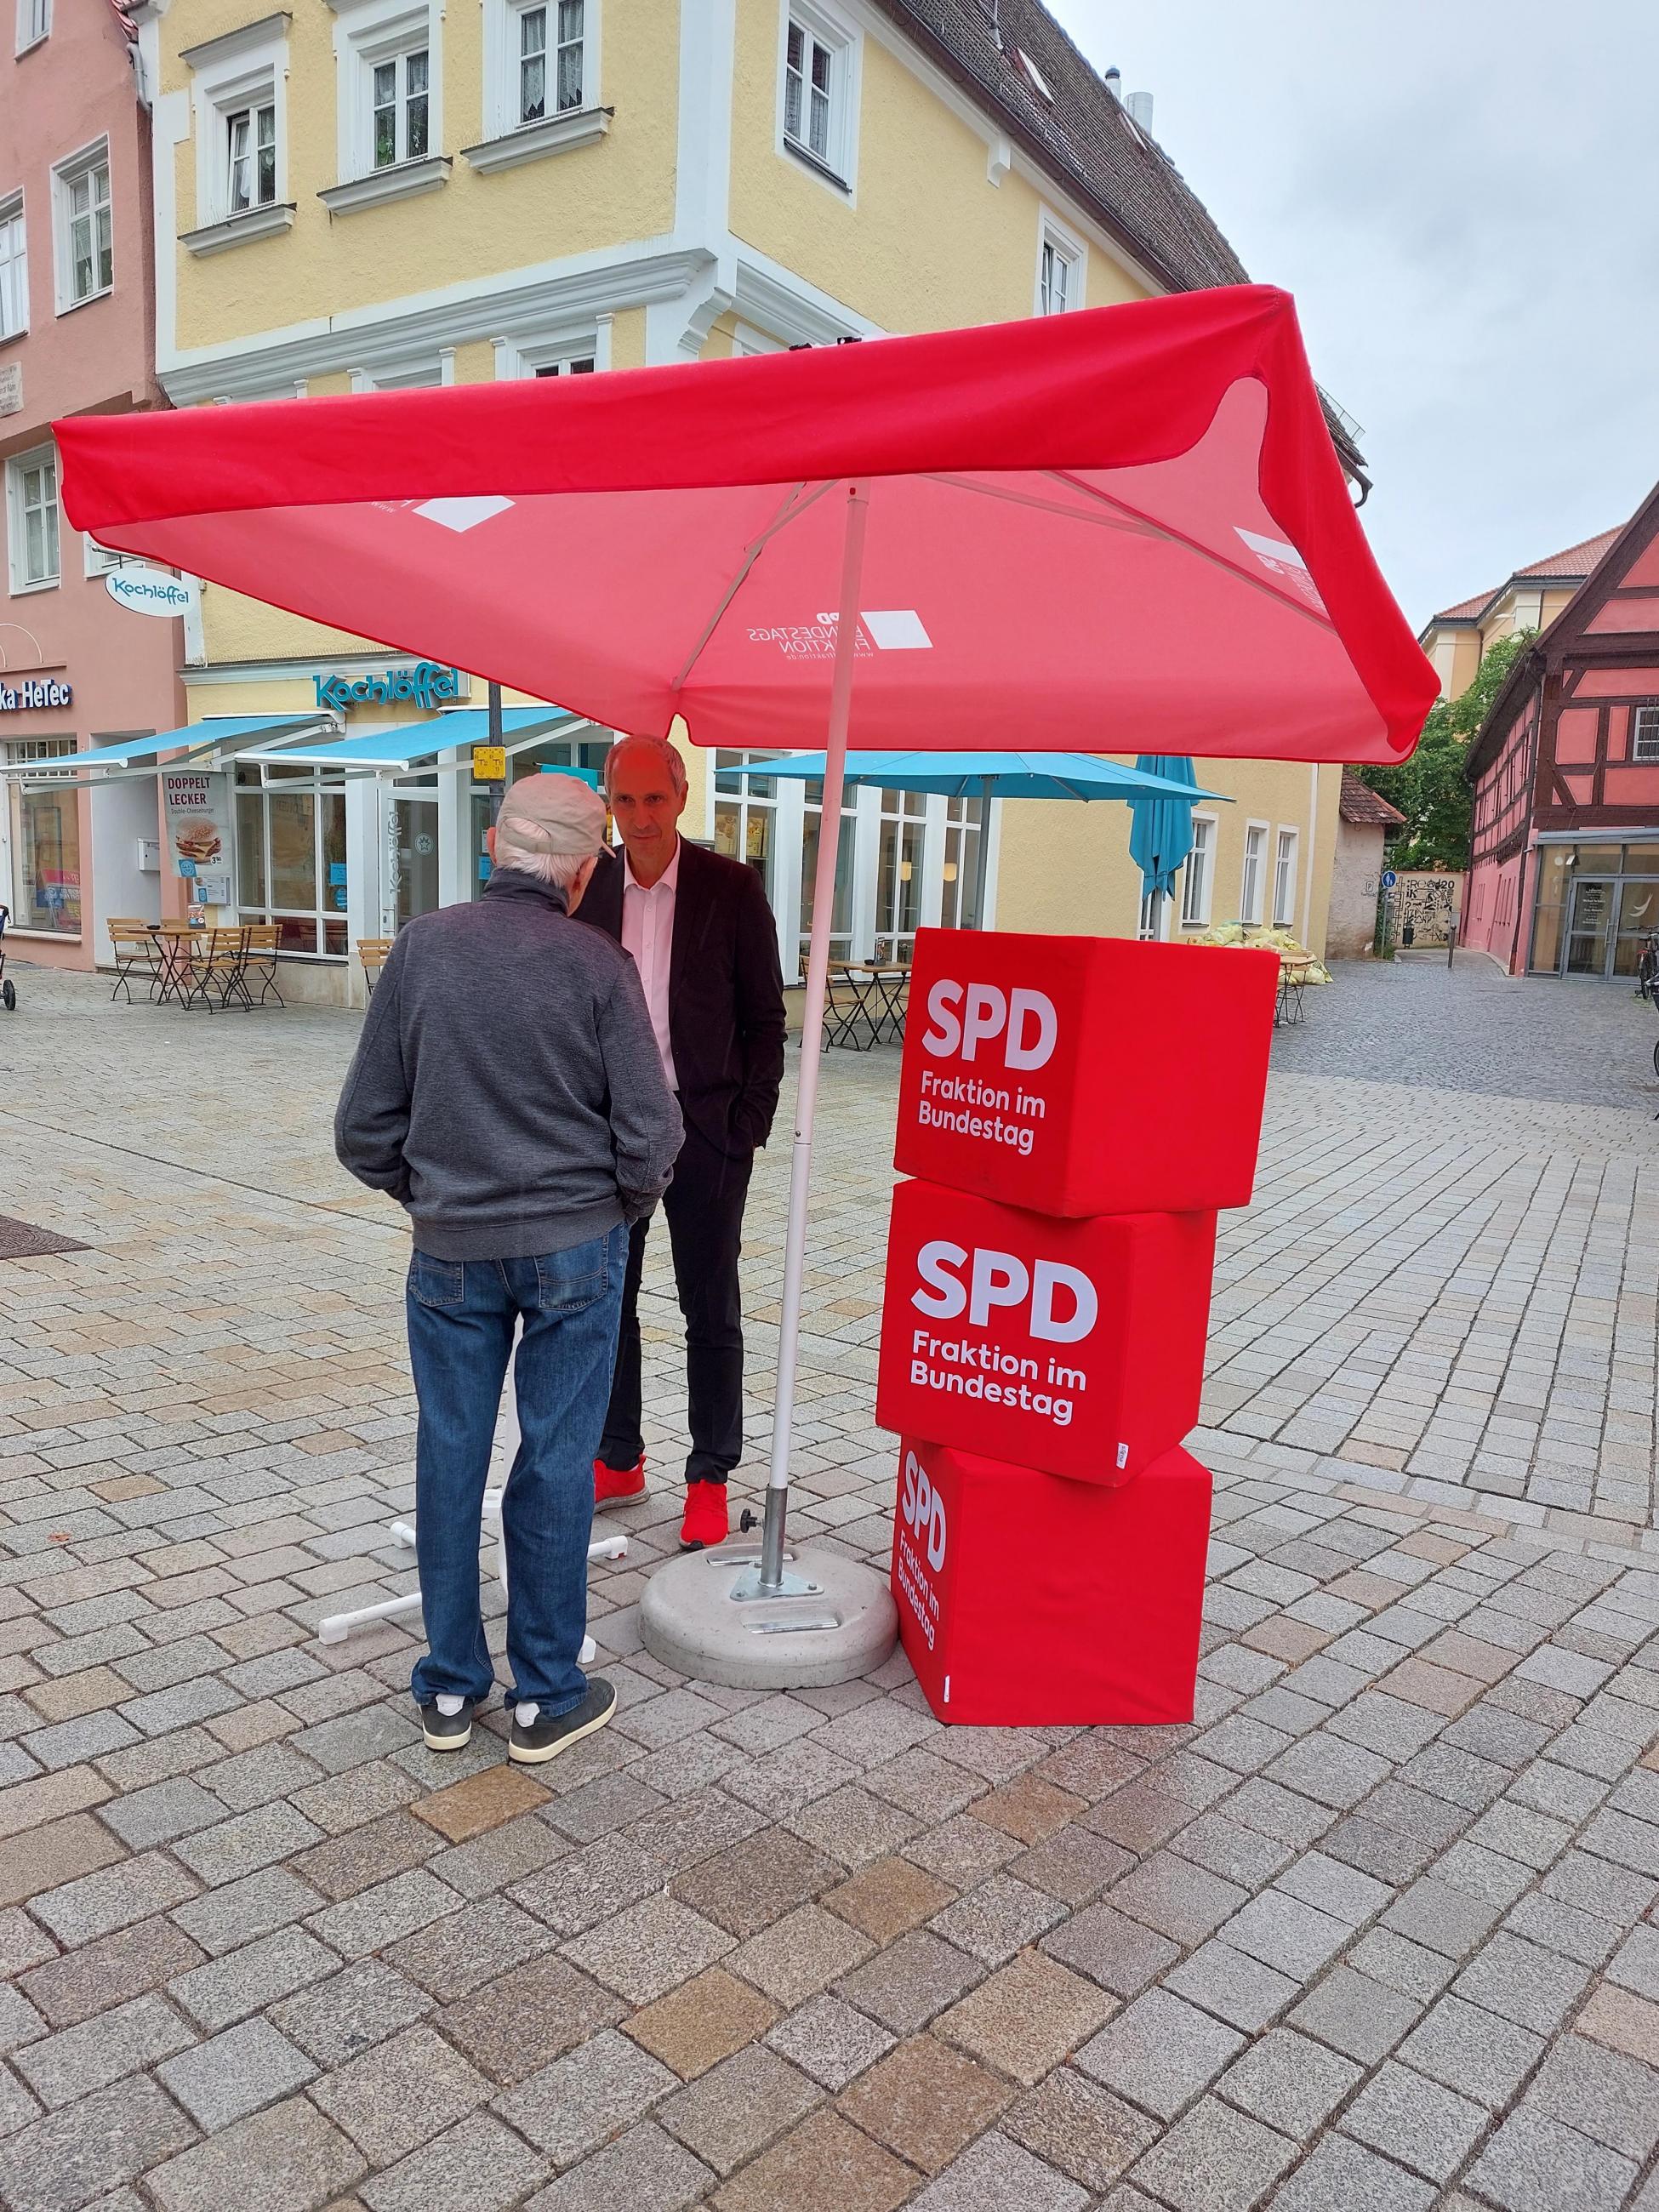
x=1638 y=919
x=417 y=822
x=1590 y=927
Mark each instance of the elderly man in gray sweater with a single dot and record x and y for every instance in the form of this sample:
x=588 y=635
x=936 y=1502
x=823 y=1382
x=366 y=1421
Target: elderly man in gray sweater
x=508 y=1091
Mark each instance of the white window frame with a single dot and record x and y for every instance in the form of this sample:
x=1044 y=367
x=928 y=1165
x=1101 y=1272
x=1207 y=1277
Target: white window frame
x=103 y=560
x=1287 y=849
x=17 y=467
x=247 y=68
x=14 y=268
x=555 y=354
x=1644 y=732
x=65 y=175
x=502 y=54
x=836 y=168
x=366 y=34
x=33 y=24
x=1198 y=884
x=1058 y=238
x=1251 y=907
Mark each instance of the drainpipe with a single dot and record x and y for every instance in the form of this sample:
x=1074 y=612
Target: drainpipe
x=1312 y=834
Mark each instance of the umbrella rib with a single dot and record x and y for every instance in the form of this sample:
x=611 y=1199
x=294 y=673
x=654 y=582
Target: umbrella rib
x=1044 y=506
x=793 y=507
x=1195 y=546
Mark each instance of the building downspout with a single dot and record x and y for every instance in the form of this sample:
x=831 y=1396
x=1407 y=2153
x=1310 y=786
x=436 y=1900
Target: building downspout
x=1313 y=841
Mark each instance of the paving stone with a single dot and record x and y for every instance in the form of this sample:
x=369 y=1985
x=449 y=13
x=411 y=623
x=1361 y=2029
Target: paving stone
x=702 y=2022
x=457 y=1955
x=1624 y=2020
x=1081 y=2128
x=739 y=2107
x=645 y=1950
x=1289 y=2080
x=823 y=2164
x=829 y=2040
x=20 y=2023
x=1355 y=2014
x=224 y=1919
x=1118 y=1953
x=1534 y=2164
x=1472 y=2051
x=796 y=1957
x=1446 y=1919
x=581 y=2101
x=587 y=1886
x=1533 y=1988
x=401 y=2093
x=68 y=2158
x=1238 y=1988
x=228 y=1990
x=1215 y=2159
x=1601 y=2093
x=962 y=1851
x=755 y=1882
x=286 y=2160
x=235 y=2073
x=905 y=1986
x=925 y=2101
x=59 y=1853
x=245 y=1843
x=1160 y=2053
x=481 y=1803
x=996 y=2173
x=523 y=2020
x=373 y=1851
x=1077 y=1864
x=1282 y=1931
x=1340 y=2174
x=163 y=1813
x=100 y=1975
x=342 y=2018
x=78 y=2060
x=478 y=2164
x=1417 y=2122
x=378 y=1916
x=887 y=1897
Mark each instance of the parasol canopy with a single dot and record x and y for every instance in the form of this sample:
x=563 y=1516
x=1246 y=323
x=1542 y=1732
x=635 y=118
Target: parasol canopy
x=1125 y=520
x=1162 y=835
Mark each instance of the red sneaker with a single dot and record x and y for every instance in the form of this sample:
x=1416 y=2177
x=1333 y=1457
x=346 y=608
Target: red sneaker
x=612 y=1485
x=706 y=1520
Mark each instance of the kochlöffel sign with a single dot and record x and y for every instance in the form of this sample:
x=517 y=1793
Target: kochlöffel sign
x=152 y=592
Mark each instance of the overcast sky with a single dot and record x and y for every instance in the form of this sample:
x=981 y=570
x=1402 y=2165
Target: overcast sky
x=1463 y=195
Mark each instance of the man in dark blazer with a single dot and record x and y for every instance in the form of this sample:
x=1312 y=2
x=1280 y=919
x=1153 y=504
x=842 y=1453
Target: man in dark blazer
x=706 y=946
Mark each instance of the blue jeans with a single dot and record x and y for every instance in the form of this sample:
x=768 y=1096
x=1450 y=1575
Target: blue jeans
x=461 y=1320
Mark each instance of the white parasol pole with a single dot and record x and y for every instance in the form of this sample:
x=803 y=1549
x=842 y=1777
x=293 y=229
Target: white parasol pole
x=811 y=1037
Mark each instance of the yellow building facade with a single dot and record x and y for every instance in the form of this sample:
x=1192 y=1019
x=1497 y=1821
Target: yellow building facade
x=1458 y=638
x=365 y=195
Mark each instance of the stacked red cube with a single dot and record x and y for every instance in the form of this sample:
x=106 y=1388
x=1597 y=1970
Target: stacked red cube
x=1073 y=1112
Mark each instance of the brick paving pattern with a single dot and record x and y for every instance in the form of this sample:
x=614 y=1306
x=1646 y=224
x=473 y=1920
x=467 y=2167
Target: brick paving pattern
x=1374 y=1932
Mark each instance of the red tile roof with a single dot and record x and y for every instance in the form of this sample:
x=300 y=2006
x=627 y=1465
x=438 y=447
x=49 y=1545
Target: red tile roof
x=1570 y=567
x=1359 y=803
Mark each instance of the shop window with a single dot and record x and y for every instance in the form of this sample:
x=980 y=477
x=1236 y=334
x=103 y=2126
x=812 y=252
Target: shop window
x=1197 y=874
x=31 y=519
x=14 y=269
x=840 y=918
x=291 y=857
x=1284 y=880
x=45 y=891
x=819 y=97
x=1251 y=885
x=86 y=253
x=964 y=827
x=898 y=874
x=745 y=813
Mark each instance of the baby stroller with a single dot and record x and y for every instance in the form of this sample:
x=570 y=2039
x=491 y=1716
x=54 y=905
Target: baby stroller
x=8 y=988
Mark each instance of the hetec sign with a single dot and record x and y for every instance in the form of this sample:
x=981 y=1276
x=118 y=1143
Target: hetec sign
x=1072 y=1346
x=1024 y=1600
x=1084 y=1075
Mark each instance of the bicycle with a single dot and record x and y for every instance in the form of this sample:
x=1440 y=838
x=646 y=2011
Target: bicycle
x=1647 y=968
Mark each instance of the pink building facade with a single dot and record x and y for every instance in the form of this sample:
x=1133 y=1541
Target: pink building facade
x=1566 y=769
x=76 y=336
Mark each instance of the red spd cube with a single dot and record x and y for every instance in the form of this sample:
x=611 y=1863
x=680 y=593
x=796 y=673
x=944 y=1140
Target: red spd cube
x=1025 y=1602
x=1074 y=1346
x=1081 y=1075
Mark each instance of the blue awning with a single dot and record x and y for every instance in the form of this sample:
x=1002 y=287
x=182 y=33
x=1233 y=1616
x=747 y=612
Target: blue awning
x=195 y=739
x=397 y=751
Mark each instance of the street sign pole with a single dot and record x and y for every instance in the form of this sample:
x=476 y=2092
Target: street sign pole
x=498 y=782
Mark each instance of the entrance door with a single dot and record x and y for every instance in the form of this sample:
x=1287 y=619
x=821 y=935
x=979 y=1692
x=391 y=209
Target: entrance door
x=416 y=849
x=1638 y=919
x=1590 y=927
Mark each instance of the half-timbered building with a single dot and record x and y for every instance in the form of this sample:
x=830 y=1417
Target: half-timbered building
x=1565 y=878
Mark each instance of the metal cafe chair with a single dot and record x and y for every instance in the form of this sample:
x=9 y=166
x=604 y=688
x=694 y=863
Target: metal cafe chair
x=133 y=942
x=218 y=977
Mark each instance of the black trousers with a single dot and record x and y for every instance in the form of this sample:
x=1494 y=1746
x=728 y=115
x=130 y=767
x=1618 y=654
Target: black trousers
x=704 y=1207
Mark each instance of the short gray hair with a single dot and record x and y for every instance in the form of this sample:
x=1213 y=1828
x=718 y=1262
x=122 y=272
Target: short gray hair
x=559 y=869
x=666 y=750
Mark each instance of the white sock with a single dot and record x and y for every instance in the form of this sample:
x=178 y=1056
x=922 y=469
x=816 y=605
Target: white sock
x=449 y=1707
x=526 y=1712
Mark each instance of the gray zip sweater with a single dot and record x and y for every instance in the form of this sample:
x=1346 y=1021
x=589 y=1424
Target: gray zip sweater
x=507 y=1087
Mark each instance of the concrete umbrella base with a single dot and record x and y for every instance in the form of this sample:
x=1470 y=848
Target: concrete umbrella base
x=842 y=1627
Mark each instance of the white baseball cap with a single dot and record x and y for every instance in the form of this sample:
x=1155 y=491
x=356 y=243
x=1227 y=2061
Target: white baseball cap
x=549 y=816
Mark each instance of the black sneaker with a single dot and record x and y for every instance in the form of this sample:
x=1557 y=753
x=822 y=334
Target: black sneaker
x=548 y=1736
x=446 y=1731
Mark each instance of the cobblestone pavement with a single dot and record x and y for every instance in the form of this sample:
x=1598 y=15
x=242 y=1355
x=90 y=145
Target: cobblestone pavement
x=1373 y=1935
